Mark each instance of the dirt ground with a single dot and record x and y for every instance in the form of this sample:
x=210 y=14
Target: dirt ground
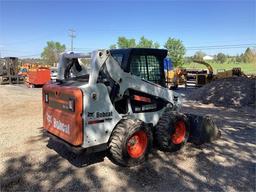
x=28 y=161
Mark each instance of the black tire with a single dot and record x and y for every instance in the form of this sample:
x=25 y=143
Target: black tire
x=165 y=130
x=203 y=129
x=118 y=144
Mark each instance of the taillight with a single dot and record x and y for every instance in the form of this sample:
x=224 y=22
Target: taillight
x=71 y=104
x=46 y=98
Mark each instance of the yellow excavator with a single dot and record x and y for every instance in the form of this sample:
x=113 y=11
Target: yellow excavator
x=199 y=77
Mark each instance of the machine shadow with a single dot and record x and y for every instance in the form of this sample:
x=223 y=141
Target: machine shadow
x=82 y=159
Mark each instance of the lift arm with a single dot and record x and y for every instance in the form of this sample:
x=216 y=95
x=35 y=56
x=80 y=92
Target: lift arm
x=209 y=67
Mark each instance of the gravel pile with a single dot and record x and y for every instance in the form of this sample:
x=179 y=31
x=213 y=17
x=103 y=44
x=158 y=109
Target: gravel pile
x=228 y=92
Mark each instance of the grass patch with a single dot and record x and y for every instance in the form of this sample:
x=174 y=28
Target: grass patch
x=247 y=68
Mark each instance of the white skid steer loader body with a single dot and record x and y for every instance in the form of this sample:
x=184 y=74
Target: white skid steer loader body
x=97 y=105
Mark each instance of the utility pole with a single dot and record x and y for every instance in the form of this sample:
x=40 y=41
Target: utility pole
x=72 y=36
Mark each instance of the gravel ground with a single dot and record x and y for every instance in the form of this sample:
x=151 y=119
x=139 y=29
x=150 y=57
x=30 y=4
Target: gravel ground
x=28 y=161
x=227 y=92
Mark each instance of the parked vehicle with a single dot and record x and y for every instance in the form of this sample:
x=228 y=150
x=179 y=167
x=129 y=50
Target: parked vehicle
x=121 y=105
x=37 y=77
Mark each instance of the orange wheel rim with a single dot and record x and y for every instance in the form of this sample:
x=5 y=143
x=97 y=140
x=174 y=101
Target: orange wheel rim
x=137 y=144
x=180 y=132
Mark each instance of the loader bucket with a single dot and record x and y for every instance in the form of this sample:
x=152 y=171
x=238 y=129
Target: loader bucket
x=202 y=129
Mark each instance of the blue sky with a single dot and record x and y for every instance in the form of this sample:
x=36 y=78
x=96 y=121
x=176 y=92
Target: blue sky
x=25 y=26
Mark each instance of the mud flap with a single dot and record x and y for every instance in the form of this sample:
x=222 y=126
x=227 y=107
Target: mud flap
x=202 y=129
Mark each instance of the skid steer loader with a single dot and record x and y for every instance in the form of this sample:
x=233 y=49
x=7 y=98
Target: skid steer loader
x=121 y=104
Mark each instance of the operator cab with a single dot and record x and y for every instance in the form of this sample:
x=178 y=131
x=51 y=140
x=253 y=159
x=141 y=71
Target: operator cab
x=146 y=63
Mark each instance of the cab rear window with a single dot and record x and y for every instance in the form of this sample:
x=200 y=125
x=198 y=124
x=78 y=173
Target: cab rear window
x=147 y=67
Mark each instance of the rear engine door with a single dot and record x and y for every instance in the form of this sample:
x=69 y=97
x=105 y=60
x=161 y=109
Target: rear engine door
x=62 y=112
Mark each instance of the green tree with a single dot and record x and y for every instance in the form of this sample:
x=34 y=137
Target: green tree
x=147 y=43
x=188 y=60
x=112 y=46
x=239 y=58
x=176 y=51
x=52 y=51
x=221 y=57
x=199 y=55
x=124 y=42
x=156 y=45
x=249 y=55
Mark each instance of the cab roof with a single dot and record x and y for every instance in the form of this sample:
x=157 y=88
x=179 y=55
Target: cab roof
x=141 y=51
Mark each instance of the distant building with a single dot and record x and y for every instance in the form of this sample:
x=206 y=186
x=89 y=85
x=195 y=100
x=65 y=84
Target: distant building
x=208 y=57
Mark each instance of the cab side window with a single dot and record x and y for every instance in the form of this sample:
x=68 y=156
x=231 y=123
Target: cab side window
x=139 y=66
x=147 y=67
x=118 y=57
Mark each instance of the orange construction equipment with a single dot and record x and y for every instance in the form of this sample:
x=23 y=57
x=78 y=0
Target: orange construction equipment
x=24 y=69
x=38 y=76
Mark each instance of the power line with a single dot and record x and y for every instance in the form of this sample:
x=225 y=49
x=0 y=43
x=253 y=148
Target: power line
x=27 y=56
x=226 y=46
x=217 y=48
x=72 y=36
x=232 y=46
